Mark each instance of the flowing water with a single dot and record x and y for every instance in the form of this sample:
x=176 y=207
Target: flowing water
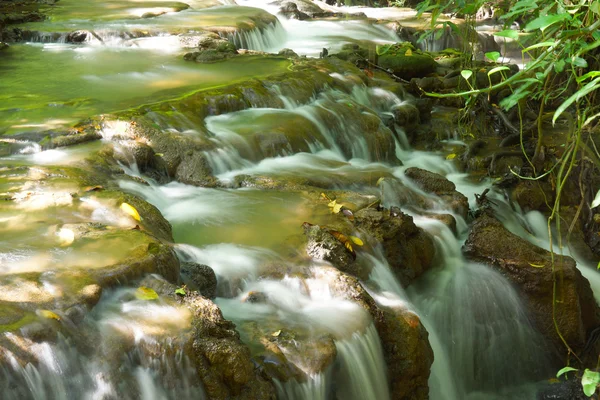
x=473 y=315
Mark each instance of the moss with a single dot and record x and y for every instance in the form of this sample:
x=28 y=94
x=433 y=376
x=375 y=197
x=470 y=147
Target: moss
x=13 y=318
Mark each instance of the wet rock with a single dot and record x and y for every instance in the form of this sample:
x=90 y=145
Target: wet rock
x=223 y=362
x=533 y=195
x=211 y=47
x=404 y=339
x=77 y=36
x=200 y=277
x=431 y=182
x=290 y=10
x=408 y=249
x=322 y=245
x=406 y=115
x=530 y=269
x=304 y=6
x=288 y=53
x=408 y=67
x=563 y=390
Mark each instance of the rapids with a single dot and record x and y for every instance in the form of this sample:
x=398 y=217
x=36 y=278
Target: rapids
x=133 y=349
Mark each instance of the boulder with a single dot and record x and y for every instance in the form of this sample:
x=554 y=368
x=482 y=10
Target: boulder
x=408 y=249
x=408 y=67
x=290 y=10
x=530 y=269
x=200 y=277
x=431 y=182
x=404 y=339
x=223 y=361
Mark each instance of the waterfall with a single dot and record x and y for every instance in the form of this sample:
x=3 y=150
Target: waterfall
x=269 y=39
x=479 y=318
x=362 y=370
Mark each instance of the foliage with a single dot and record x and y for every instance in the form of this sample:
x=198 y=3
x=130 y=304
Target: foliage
x=590 y=380
x=560 y=44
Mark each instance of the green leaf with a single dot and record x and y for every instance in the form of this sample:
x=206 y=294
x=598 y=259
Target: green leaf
x=559 y=66
x=590 y=380
x=579 y=62
x=596 y=201
x=564 y=371
x=466 y=73
x=381 y=50
x=545 y=21
x=145 y=293
x=180 y=291
x=508 y=33
x=538 y=45
x=584 y=91
x=497 y=69
x=595 y=7
x=493 y=55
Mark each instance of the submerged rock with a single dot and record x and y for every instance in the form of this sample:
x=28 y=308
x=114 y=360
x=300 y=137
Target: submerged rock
x=531 y=269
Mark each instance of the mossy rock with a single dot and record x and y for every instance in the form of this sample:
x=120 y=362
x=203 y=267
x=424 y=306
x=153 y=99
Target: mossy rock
x=408 y=67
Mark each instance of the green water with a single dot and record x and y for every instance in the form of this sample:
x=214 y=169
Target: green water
x=54 y=86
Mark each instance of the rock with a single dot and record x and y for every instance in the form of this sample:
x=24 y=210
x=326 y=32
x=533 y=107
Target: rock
x=404 y=339
x=322 y=245
x=563 y=390
x=289 y=53
x=533 y=195
x=200 y=277
x=290 y=10
x=431 y=182
x=77 y=36
x=223 y=362
x=406 y=115
x=211 y=47
x=408 y=67
x=530 y=269
x=408 y=249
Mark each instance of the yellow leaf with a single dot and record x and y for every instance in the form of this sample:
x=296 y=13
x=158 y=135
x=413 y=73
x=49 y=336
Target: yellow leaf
x=348 y=245
x=48 y=314
x=537 y=265
x=356 y=240
x=65 y=236
x=159 y=154
x=380 y=180
x=408 y=52
x=323 y=195
x=275 y=334
x=451 y=156
x=145 y=293
x=131 y=211
x=332 y=204
x=337 y=208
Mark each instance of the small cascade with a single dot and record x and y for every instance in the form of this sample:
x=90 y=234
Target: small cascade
x=479 y=318
x=118 y=354
x=362 y=373
x=271 y=39
x=314 y=388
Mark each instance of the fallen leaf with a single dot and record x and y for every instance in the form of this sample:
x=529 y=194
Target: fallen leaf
x=537 y=265
x=408 y=52
x=93 y=188
x=275 y=334
x=180 y=291
x=451 y=156
x=145 y=293
x=356 y=240
x=48 y=314
x=323 y=195
x=131 y=211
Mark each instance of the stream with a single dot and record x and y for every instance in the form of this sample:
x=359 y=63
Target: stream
x=484 y=343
